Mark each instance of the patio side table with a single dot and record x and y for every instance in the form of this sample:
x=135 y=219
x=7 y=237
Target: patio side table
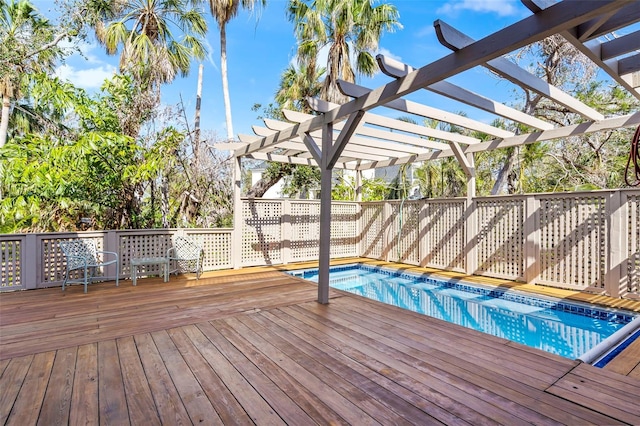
x=141 y=261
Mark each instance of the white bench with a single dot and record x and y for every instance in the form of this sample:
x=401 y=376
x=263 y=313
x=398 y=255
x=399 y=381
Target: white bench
x=143 y=261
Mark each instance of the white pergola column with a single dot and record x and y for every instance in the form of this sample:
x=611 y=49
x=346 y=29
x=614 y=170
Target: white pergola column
x=236 y=239
x=324 y=257
x=359 y=186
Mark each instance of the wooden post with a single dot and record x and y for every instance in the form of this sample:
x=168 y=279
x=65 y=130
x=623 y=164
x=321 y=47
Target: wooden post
x=531 y=224
x=112 y=243
x=324 y=256
x=236 y=235
x=32 y=276
x=286 y=231
x=359 y=186
x=617 y=240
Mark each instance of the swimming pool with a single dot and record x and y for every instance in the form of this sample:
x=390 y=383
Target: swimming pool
x=553 y=325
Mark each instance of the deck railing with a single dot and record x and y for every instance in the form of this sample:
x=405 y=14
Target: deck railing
x=588 y=241
x=274 y=232
x=584 y=241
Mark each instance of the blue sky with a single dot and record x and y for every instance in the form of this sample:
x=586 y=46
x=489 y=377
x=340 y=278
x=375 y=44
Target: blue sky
x=259 y=52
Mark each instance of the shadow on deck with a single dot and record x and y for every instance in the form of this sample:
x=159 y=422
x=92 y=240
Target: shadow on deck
x=241 y=348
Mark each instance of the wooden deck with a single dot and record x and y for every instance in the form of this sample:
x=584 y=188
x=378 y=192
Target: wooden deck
x=242 y=348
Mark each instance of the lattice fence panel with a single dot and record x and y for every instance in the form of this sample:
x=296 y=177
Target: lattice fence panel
x=261 y=232
x=305 y=231
x=371 y=230
x=217 y=249
x=344 y=228
x=405 y=232
x=54 y=263
x=633 y=266
x=573 y=243
x=11 y=264
x=500 y=239
x=142 y=245
x=444 y=237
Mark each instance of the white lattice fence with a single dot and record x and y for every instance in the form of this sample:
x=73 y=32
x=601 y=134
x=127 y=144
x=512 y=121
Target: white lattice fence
x=500 y=237
x=133 y=245
x=372 y=233
x=633 y=252
x=305 y=231
x=344 y=227
x=404 y=232
x=444 y=236
x=573 y=245
x=53 y=261
x=261 y=232
x=217 y=248
x=11 y=263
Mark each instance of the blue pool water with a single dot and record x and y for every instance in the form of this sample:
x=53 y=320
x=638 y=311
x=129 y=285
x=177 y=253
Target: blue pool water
x=565 y=329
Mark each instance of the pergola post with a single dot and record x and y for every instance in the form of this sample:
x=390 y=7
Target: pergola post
x=359 y=186
x=324 y=256
x=236 y=240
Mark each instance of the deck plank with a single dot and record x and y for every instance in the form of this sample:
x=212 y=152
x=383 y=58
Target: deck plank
x=57 y=399
x=225 y=404
x=279 y=373
x=626 y=361
x=240 y=348
x=257 y=409
x=11 y=382
x=111 y=396
x=142 y=409
x=170 y=408
x=191 y=394
x=84 y=398
x=29 y=400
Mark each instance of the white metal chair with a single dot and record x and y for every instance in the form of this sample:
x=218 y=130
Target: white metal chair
x=82 y=254
x=185 y=255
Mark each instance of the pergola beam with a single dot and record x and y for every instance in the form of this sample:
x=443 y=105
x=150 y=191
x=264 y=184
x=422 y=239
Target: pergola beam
x=403 y=105
x=619 y=70
x=630 y=120
x=403 y=126
x=456 y=40
x=397 y=69
x=534 y=28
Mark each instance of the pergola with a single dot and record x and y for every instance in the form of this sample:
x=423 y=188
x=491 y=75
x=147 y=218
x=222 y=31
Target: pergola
x=355 y=136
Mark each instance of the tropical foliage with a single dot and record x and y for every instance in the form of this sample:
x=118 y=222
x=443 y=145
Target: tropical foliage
x=350 y=29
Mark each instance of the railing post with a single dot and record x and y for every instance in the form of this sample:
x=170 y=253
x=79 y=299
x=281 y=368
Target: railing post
x=470 y=234
x=112 y=243
x=285 y=231
x=531 y=255
x=31 y=274
x=617 y=240
x=238 y=204
x=387 y=223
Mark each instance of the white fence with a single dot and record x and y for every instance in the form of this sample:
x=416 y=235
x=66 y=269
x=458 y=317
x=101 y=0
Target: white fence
x=584 y=241
x=36 y=261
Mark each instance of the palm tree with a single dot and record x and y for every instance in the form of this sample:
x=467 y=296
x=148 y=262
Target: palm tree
x=27 y=46
x=224 y=11
x=351 y=29
x=144 y=29
x=296 y=85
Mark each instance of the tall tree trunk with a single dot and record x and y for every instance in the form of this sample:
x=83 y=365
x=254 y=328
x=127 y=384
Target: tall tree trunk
x=225 y=82
x=505 y=172
x=4 y=120
x=196 y=130
x=164 y=200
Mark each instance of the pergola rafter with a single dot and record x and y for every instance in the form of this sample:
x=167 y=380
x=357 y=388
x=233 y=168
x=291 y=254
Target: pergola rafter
x=353 y=136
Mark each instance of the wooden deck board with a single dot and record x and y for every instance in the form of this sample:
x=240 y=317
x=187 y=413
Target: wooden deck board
x=256 y=348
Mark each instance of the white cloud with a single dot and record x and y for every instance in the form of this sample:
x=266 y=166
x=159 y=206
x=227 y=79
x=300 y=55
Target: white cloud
x=500 y=7
x=89 y=78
